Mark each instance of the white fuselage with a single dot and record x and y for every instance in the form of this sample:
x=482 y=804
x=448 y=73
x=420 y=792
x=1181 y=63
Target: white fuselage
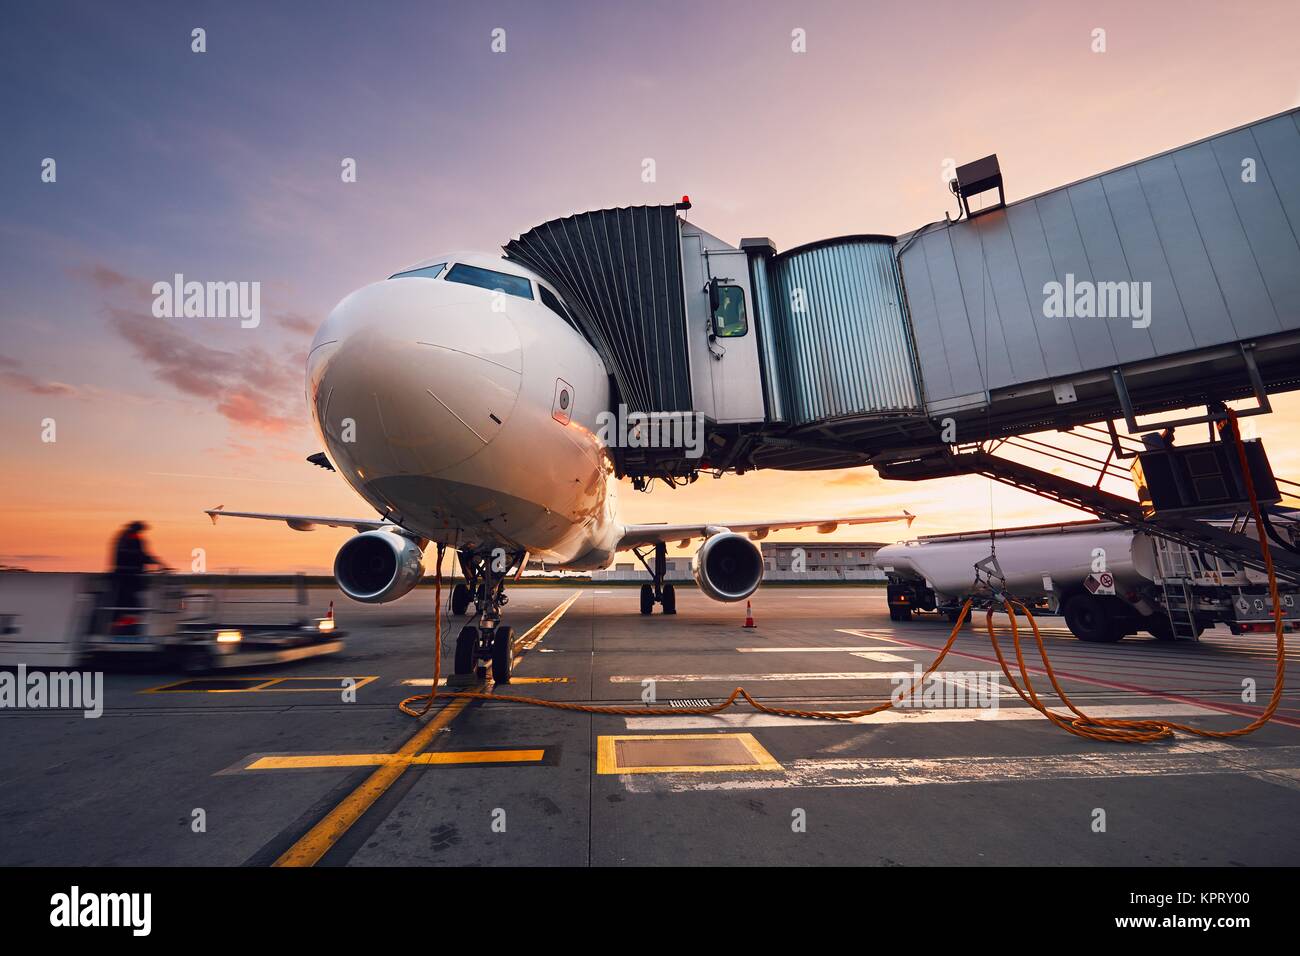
x=469 y=416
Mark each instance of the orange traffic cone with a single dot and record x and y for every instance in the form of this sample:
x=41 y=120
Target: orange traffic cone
x=749 y=615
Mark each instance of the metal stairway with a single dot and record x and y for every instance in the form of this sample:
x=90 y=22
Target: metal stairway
x=1193 y=534
x=1176 y=584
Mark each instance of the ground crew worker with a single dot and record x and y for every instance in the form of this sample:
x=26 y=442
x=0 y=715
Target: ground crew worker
x=131 y=561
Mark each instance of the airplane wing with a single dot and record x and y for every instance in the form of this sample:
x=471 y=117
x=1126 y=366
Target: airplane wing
x=636 y=535
x=303 y=522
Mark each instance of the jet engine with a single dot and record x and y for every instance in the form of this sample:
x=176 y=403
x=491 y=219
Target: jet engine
x=728 y=567
x=378 y=566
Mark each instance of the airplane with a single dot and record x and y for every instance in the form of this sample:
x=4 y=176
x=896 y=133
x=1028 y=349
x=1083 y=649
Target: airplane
x=459 y=400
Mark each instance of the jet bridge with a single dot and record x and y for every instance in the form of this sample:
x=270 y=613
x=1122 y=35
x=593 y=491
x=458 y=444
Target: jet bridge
x=1170 y=282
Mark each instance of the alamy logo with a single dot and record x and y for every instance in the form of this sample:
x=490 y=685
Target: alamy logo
x=946 y=689
x=626 y=429
x=75 y=908
x=57 y=690
x=1084 y=299
x=208 y=300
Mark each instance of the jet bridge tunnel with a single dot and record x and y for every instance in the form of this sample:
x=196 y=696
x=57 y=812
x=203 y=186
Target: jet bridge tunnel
x=1170 y=282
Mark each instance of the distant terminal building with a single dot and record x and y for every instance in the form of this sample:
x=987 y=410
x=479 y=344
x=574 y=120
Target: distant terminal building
x=823 y=558
x=679 y=569
x=782 y=561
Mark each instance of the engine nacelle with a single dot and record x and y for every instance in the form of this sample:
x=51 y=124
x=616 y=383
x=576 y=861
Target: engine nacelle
x=728 y=567
x=378 y=566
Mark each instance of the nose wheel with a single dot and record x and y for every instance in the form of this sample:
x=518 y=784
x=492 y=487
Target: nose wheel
x=657 y=592
x=486 y=642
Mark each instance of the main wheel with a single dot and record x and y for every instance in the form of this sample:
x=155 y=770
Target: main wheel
x=503 y=654
x=466 y=641
x=1089 y=619
x=647 y=599
x=900 y=613
x=459 y=599
x=952 y=615
x=670 y=599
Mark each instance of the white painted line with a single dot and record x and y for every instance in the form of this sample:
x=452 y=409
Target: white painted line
x=913 y=716
x=816 y=650
x=880 y=657
x=1181 y=759
x=974 y=684
x=1288 y=777
x=868 y=633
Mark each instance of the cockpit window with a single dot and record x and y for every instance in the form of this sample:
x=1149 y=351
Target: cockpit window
x=428 y=272
x=552 y=302
x=488 y=279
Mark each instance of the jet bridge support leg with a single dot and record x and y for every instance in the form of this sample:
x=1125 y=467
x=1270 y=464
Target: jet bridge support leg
x=657 y=592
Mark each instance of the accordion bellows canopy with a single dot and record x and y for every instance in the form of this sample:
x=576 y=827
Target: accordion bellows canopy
x=620 y=273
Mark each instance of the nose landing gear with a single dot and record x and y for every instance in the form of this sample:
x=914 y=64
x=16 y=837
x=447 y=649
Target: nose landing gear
x=484 y=642
x=658 y=592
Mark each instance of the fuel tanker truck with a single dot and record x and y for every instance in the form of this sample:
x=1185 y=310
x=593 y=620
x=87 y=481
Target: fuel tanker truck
x=1107 y=580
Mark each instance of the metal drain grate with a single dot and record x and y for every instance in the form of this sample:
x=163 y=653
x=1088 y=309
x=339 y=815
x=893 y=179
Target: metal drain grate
x=690 y=702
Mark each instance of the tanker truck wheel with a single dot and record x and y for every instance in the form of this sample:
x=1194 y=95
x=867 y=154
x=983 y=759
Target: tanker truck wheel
x=900 y=613
x=1090 y=619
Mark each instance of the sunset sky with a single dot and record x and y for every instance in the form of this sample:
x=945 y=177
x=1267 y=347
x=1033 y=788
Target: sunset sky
x=225 y=165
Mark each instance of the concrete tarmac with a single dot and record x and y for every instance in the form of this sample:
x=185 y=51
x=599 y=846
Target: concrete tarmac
x=312 y=763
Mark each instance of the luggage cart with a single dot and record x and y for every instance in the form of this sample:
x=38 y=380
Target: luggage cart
x=68 y=620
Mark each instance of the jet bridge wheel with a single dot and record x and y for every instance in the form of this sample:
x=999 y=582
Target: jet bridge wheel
x=1090 y=619
x=647 y=599
x=503 y=654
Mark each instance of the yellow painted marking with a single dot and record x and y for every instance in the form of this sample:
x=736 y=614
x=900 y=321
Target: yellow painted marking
x=538 y=680
x=327 y=761
x=316 y=842
x=257 y=684
x=534 y=636
x=607 y=758
x=480 y=756
x=442 y=681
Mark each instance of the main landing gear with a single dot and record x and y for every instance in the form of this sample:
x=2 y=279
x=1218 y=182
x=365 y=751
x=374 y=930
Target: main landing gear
x=484 y=642
x=658 y=592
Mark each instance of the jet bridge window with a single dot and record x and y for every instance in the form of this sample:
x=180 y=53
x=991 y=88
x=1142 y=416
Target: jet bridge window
x=489 y=279
x=729 y=319
x=428 y=272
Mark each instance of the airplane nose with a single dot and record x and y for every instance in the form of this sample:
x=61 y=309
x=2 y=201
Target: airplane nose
x=412 y=376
